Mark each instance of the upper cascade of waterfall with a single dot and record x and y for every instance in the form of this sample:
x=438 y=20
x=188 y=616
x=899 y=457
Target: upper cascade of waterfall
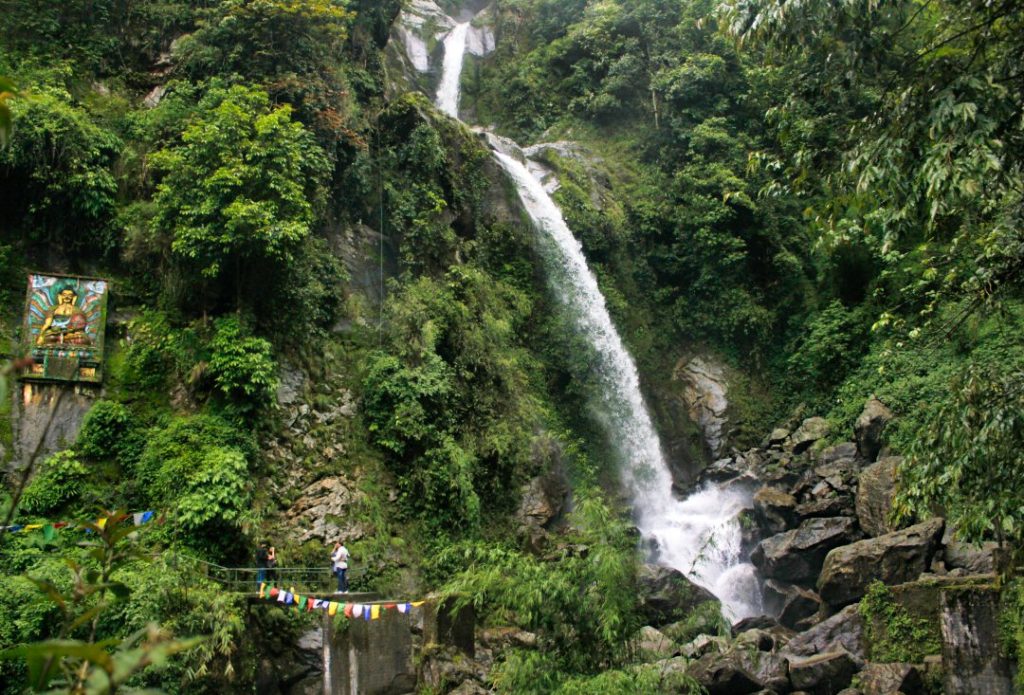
x=454 y=52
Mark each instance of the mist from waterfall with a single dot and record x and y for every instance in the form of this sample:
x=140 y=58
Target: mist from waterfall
x=701 y=535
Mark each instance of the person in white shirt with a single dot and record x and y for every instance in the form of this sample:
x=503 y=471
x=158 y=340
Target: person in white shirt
x=339 y=560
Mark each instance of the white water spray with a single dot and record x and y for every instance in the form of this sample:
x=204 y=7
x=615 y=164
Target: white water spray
x=454 y=52
x=701 y=535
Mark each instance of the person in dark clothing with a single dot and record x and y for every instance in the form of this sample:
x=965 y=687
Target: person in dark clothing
x=262 y=562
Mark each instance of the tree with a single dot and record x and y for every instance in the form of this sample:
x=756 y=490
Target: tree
x=239 y=190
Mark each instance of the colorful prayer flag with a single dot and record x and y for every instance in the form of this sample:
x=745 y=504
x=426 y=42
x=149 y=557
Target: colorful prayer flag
x=374 y=612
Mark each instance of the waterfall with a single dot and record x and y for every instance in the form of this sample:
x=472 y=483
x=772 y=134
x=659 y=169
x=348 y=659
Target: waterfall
x=701 y=535
x=454 y=52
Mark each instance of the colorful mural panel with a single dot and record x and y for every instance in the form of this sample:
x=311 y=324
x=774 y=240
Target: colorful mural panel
x=65 y=318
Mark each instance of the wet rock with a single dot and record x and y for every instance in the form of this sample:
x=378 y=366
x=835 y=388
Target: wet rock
x=654 y=645
x=800 y=605
x=703 y=644
x=843 y=630
x=777 y=436
x=666 y=595
x=969 y=621
x=876 y=487
x=755 y=622
x=469 y=688
x=543 y=499
x=764 y=639
x=774 y=510
x=847 y=451
x=869 y=428
x=894 y=558
x=820 y=507
x=887 y=679
x=973 y=559
x=797 y=555
x=810 y=430
x=738 y=672
x=704 y=388
x=823 y=674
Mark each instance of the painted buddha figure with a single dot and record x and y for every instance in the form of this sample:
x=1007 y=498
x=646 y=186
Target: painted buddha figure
x=65 y=322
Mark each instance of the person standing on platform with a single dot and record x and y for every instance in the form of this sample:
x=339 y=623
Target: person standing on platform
x=262 y=557
x=339 y=565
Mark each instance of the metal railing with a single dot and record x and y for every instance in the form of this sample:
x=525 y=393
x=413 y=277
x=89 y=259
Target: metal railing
x=246 y=579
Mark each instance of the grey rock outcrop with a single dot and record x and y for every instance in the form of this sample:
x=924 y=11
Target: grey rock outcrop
x=740 y=671
x=843 y=630
x=894 y=558
x=322 y=511
x=797 y=555
x=886 y=679
x=823 y=674
x=970 y=630
x=811 y=430
x=869 y=428
x=704 y=390
x=666 y=595
x=774 y=510
x=876 y=486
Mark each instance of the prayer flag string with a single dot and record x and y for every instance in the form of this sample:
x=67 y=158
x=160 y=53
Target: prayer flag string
x=309 y=604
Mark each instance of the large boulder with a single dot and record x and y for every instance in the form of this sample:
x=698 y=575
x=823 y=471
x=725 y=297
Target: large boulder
x=666 y=595
x=971 y=558
x=843 y=630
x=654 y=645
x=876 y=486
x=797 y=555
x=810 y=430
x=969 y=621
x=886 y=679
x=823 y=674
x=543 y=499
x=897 y=557
x=704 y=388
x=869 y=428
x=794 y=605
x=740 y=671
x=774 y=510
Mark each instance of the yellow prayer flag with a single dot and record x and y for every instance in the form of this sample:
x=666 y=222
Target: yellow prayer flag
x=32 y=527
x=102 y=523
x=374 y=611
x=417 y=604
x=332 y=608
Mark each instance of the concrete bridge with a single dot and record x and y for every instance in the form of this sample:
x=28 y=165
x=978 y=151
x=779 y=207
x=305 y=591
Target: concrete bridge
x=356 y=657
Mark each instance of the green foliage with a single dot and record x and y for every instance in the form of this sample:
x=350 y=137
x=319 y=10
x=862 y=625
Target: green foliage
x=829 y=349
x=967 y=457
x=74 y=659
x=893 y=635
x=57 y=172
x=451 y=406
x=109 y=431
x=58 y=483
x=196 y=468
x=237 y=194
x=242 y=365
x=582 y=604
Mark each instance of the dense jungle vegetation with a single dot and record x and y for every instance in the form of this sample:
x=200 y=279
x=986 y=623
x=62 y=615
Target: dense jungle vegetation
x=828 y=195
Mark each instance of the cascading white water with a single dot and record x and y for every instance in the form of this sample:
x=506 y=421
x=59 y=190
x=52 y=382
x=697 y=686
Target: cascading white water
x=701 y=535
x=454 y=52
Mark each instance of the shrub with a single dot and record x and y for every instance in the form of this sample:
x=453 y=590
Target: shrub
x=242 y=366
x=109 y=431
x=58 y=483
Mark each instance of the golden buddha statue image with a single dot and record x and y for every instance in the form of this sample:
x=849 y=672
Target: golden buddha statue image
x=65 y=322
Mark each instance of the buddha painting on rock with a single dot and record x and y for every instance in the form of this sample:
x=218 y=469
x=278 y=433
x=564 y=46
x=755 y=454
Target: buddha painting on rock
x=64 y=327
x=65 y=322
